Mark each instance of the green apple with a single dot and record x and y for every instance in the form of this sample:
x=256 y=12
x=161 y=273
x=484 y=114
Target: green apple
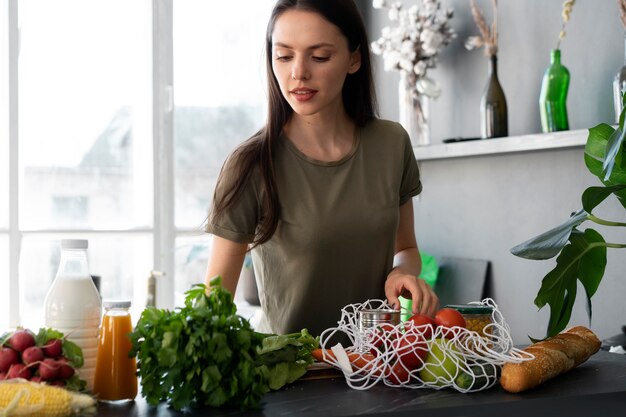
x=440 y=365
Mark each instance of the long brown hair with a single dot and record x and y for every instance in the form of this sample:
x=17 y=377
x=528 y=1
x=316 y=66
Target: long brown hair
x=257 y=152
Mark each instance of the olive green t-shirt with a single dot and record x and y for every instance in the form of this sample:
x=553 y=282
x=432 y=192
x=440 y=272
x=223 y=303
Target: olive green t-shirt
x=334 y=244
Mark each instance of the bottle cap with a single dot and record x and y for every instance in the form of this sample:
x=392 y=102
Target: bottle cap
x=116 y=304
x=74 y=244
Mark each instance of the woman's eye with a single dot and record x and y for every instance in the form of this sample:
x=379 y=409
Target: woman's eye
x=321 y=58
x=283 y=58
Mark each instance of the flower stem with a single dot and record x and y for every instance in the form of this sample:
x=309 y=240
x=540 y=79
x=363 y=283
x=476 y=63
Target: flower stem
x=604 y=222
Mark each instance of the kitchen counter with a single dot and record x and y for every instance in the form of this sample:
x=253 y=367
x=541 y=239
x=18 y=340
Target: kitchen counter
x=598 y=385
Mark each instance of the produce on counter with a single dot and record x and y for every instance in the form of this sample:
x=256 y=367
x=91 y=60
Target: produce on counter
x=47 y=356
x=553 y=356
x=19 y=397
x=205 y=354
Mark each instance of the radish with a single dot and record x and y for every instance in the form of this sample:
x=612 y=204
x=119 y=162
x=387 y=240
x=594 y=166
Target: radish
x=18 y=370
x=53 y=348
x=22 y=339
x=7 y=358
x=36 y=378
x=48 y=369
x=66 y=371
x=32 y=354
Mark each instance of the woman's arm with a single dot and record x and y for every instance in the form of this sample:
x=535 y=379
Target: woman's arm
x=403 y=278
x=226 y=259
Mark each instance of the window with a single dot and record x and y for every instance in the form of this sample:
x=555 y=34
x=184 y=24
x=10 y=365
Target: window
x=100 y=93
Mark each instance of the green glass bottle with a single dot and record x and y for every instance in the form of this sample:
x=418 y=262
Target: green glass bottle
x=552 y=101
x=493 y=111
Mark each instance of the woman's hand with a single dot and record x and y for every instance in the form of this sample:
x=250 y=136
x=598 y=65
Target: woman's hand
x=399 y=283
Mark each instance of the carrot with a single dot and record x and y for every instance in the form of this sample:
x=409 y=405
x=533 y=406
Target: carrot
x=361 y=362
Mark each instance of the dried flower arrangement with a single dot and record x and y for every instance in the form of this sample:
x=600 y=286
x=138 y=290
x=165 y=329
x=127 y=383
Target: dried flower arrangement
x=568 y=5
x=488 y=36
x=412 y=44
x=621 y=5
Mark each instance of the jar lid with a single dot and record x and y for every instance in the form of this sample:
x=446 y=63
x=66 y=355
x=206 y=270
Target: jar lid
x=116 y=304
x=471 y=308
x=74 y=244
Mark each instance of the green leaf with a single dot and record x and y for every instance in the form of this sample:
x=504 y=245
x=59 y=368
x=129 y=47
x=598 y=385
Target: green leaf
x=595 y=152
x=73 y=353
x=583 y=259
x=593 y=196
x=613 y=148
x=550 y=243
x=44 y=335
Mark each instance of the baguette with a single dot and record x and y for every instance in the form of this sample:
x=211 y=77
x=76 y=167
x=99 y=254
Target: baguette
x=553 y=357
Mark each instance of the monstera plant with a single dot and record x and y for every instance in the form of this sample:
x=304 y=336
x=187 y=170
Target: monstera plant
x=581 y=253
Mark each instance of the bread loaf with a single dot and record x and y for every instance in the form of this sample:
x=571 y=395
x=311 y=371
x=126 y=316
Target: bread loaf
x=553 y=357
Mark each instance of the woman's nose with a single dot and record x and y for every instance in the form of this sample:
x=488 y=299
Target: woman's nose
x=300 y=71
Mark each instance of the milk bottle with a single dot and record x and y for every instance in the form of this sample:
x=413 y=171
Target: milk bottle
x=73 y=305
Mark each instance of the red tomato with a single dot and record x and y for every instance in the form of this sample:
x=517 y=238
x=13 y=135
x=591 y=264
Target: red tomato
x=422 y=320
x=383 y=336
x=448 y=318
x=398 y=374
x=411 y=350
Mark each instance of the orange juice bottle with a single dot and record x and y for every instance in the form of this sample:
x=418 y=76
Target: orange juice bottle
x=116 y=374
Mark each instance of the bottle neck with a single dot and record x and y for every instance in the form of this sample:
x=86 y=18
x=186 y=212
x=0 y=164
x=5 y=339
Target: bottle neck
x=555 y=56
x=73 y=264
x=493 y=65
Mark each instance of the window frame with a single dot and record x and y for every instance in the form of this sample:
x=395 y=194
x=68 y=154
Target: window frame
x=159 y=24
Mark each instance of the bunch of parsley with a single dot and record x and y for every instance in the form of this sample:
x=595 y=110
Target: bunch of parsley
x=204 y=354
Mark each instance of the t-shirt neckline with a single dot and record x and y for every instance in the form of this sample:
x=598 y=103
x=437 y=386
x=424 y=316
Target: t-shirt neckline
x=355 y=146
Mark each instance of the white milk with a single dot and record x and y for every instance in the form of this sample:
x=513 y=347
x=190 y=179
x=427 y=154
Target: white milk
x=73 y=305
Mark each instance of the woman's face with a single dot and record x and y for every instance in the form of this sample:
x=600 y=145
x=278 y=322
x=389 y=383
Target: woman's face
x=310 y=60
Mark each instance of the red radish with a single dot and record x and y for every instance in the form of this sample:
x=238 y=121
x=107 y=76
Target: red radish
x=19 y=370
x=48 y=369
x=65 y=369
x=32 y=354
x=22 y=339
x=36 y=378
x=3 y=376
x=7 y=358
x=58 y=383
x=53 y=348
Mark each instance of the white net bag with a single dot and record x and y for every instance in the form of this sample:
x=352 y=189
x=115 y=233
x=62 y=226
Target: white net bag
x=420 y=356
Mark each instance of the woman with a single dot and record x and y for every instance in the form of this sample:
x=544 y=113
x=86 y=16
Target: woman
x=323 y=192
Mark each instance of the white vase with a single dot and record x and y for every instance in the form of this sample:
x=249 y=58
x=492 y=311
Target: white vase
x=413 y=111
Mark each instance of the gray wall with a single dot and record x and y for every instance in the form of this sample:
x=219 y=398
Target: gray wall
x=479 y=207
x=593 y=51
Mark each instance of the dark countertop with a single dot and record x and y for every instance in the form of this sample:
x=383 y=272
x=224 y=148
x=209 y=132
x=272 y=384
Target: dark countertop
x=598 y=385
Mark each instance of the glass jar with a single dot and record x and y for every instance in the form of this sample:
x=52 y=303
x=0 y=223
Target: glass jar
x=116 y=373
x=477 y=317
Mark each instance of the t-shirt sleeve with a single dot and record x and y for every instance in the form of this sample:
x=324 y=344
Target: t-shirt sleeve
x=239 y=221
x=411 y=184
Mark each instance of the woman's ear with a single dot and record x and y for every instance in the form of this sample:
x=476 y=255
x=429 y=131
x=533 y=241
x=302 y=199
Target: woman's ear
x=355 y=61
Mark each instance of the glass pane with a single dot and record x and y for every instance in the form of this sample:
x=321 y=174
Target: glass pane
x=123 y=264
x=85 y=148
x=190 y=263
x=4 y=281
x=219 y=93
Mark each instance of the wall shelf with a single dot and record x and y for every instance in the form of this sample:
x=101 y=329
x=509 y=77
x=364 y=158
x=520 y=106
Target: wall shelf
x=525 y=143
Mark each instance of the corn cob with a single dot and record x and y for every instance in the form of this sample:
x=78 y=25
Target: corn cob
x=19 y=397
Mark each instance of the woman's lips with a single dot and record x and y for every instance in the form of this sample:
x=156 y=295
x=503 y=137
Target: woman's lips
x=303 y=94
